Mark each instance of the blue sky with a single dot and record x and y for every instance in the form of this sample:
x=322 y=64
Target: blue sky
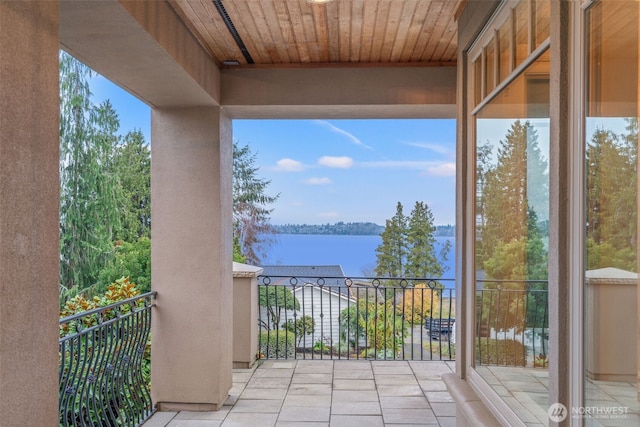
x=336 y=170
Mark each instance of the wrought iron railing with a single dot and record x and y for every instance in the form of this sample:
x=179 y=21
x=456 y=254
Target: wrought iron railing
x=512 y=323
x=104 y=356
x=356 y=318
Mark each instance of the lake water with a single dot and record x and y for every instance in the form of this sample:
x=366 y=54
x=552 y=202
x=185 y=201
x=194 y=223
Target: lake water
x=356 y=254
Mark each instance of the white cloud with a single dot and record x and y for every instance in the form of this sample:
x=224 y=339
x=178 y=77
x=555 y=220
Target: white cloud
x=336 y=162
x=289 y=165
x=436 y=148
x=343 y=132
x=445 y=169
x=318 y=181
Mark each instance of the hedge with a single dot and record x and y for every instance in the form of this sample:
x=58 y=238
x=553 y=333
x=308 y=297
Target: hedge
x=277 y=344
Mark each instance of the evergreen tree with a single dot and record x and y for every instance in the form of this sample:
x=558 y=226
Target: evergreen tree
x=408 y=246
x=90 y=196
x=611 y=198
x=251 y=225
x=392 y=253
x=422 y=259
x=515 y=192
x=132 y=162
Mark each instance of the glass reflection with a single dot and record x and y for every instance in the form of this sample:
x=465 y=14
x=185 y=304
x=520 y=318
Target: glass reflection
x=612 y=338
x=511 y=255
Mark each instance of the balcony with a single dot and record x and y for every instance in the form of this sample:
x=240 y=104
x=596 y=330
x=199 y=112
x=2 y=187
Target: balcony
x=329 y=392
x=329 y=350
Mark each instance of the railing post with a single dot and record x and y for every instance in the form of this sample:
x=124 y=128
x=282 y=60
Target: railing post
x=245 y=314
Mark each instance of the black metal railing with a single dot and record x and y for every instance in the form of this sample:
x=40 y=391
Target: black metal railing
x=104 y=365
x=356 y=318
x=512 y=323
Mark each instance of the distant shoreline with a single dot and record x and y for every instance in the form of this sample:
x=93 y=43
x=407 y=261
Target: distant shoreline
x=351 y=229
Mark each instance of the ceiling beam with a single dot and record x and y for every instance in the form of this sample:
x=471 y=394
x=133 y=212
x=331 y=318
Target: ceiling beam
x=142 y=46
x=362 y=92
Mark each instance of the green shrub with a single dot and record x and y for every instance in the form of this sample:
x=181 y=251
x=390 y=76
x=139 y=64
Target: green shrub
x=277 y=344
x=505 y=352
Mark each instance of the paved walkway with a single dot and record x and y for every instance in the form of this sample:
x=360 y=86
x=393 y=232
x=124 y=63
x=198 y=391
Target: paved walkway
x=317 y=393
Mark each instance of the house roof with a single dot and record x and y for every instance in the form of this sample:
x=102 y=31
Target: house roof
x=303 y=270
x=340 y=293
x=330 y=275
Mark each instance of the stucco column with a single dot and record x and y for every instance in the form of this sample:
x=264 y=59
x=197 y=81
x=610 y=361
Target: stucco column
x=245 y=314
x=191 y=258
x=29 y=200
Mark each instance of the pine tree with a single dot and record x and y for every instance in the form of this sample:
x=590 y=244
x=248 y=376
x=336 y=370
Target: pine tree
x=251 y=225
x=132 y=162
x=90 y=197
x=392 y=253
x=611 y=198
x=422 y=259
x=515 y=196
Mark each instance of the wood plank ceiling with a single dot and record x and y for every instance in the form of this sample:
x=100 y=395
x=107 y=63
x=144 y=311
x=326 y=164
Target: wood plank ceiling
x=302 y=32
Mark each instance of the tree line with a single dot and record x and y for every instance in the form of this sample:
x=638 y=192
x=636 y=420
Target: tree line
x=338 y=228
x=351 y=229
x=105 y=195
x=105 y=191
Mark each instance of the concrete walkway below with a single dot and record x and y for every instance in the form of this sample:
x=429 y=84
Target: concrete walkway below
x=334 y=393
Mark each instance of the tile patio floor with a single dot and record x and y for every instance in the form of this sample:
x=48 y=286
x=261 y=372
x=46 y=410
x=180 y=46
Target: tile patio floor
x=334 y=393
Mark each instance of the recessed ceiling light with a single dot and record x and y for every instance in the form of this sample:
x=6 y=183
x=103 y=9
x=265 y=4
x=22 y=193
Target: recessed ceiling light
x=318 y=1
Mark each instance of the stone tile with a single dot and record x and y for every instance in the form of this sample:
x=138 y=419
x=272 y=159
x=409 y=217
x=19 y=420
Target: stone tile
x=312 y=378
x=390 y=363
x=273 y=373
x=310 y=389
x=444 y=409
x=315 y=368
x=409 y=416
x=300 y=424
x=355 y=408
x=446 y=421
x=429 y=368
x=356 y=374
x=234 y=393
x=400 y=390
x=432 y=385
x=264 y=393
x=351 y=365
x=534 y=386
x=211 y=415
x=395 y=380
x=355 y=396
x=249 y=420
x=242 y=377
x=231 y=400
x=356 y=421
x=194 y=423
x=307 y=400
x=160 y=419
x=257 y=405
x=438 y=396
x=276 y=364
x=269 y=383
x=354 y=385
x=405 y=402
x=304 y=413
x=391 y=370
